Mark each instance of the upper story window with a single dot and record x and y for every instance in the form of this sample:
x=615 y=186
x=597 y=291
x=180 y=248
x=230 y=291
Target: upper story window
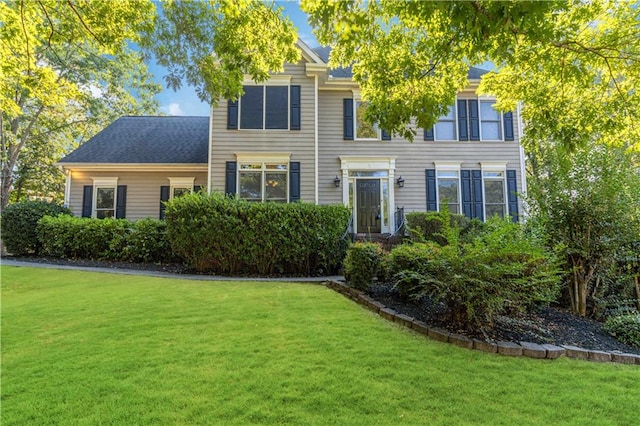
x=472 y=120
x=356 y=127
x=364 y=130
x=273 y=106
x=490 y=122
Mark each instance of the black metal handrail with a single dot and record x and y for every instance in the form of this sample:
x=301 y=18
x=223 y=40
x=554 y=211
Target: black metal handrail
x=349 y=228
x=399 y=221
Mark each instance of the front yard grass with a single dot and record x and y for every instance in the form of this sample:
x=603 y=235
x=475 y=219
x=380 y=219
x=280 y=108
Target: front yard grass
x=92 y=348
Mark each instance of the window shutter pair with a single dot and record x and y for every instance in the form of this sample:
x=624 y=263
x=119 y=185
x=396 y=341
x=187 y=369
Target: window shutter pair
x=468 y=120
x=294 y=110
x=230 y=182
x=121 y=201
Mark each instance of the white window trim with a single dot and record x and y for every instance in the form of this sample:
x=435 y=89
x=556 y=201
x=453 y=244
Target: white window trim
x=104 y=182
x=264 y=159
x=454 y=108
x=357 y=98
x=500 y=121
x=448 y=166
x=180 y=182
x=498 y=166
x=282 y=81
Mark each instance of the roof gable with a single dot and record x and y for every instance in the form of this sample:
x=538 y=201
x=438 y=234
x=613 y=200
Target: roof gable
x=147 y=140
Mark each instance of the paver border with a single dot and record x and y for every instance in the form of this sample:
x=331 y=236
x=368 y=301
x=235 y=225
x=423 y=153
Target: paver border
x=524 y=349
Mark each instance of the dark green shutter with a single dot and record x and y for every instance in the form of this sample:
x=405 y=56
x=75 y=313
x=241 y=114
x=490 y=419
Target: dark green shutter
x=230 y=178
x=512 y=195
x=474 y=120
x=164 y=196
x=232 y=115
x=428 y=134
x=87 y=200
x=467 y=206
x=463 y=129
x=295 y=107
x=294 y=181
x=476 y=194
x=432 y=200
x=508 y=126
x=385 y=136
x=348 y=119
x=121 y=202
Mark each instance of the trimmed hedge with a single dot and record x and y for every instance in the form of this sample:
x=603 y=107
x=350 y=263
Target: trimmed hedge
x=228 y=235
x=19 y=222
x=105 y=239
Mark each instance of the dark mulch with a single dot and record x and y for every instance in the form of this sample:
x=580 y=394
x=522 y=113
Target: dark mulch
x=547 y=325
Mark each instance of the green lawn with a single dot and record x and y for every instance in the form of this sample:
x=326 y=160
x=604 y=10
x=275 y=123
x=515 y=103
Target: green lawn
x=91 y=348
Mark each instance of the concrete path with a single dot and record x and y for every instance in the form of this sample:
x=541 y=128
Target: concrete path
x=160 y=274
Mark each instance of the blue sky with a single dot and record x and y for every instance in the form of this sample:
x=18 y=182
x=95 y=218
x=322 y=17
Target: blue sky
x=185 y=101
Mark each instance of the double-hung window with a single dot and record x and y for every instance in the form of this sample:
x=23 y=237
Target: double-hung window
x=494 y=189
x=448 y=186
x=263 y=181
x=490 y=122
x=445 y=128
x=104 y=197
x=364 y=130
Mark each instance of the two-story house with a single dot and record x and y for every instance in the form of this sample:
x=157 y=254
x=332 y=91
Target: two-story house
x=300 y=136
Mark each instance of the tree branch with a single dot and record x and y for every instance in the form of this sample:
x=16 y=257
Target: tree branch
x=26 y=35
x=86 y=27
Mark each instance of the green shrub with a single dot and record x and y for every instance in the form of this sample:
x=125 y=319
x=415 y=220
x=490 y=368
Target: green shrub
x=362 y=263
x=82 y=238
x=19 y=222
x=625 y=328
x=432 y=226
x=499 y=271
x=147 y=241
x=228 y=235
x=408 y=264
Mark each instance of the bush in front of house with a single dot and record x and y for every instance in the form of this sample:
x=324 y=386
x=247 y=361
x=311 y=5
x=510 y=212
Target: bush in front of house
x=82 y=238
x=625 y=328
x=433 y=226
x=498 y=271
x=229 y=235
x=19 y=222
x=71 y=237
x=362 y=264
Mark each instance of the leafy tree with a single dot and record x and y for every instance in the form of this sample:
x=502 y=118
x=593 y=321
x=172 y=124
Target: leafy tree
x=211 y=44
x=587 y=201
x=67 y=70
x=573 y=64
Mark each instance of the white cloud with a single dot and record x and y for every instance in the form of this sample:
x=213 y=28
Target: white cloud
x=173 y=109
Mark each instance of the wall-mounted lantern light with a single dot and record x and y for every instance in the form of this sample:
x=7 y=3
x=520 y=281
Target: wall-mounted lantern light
x=336 y=181
x=400 y=182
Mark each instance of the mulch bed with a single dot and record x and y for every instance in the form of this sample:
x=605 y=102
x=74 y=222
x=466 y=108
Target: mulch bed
x=547 y=325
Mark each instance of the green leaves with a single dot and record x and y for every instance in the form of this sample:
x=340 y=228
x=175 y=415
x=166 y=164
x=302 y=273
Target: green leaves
x=212 y=45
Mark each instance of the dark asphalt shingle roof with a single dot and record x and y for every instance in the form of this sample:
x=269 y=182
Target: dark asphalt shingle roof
x=324 y=51
x=147 y=140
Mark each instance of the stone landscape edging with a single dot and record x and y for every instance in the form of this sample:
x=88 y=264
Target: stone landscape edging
x=526 y=349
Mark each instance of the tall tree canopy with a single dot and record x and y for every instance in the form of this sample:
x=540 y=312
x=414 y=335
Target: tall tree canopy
x=212 y=44
x=573 y=64
x=67 y=70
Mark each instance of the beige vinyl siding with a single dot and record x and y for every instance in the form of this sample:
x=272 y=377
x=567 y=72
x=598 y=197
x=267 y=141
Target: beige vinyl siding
x=412 y=158
x=143 y=189
x=299 y=143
